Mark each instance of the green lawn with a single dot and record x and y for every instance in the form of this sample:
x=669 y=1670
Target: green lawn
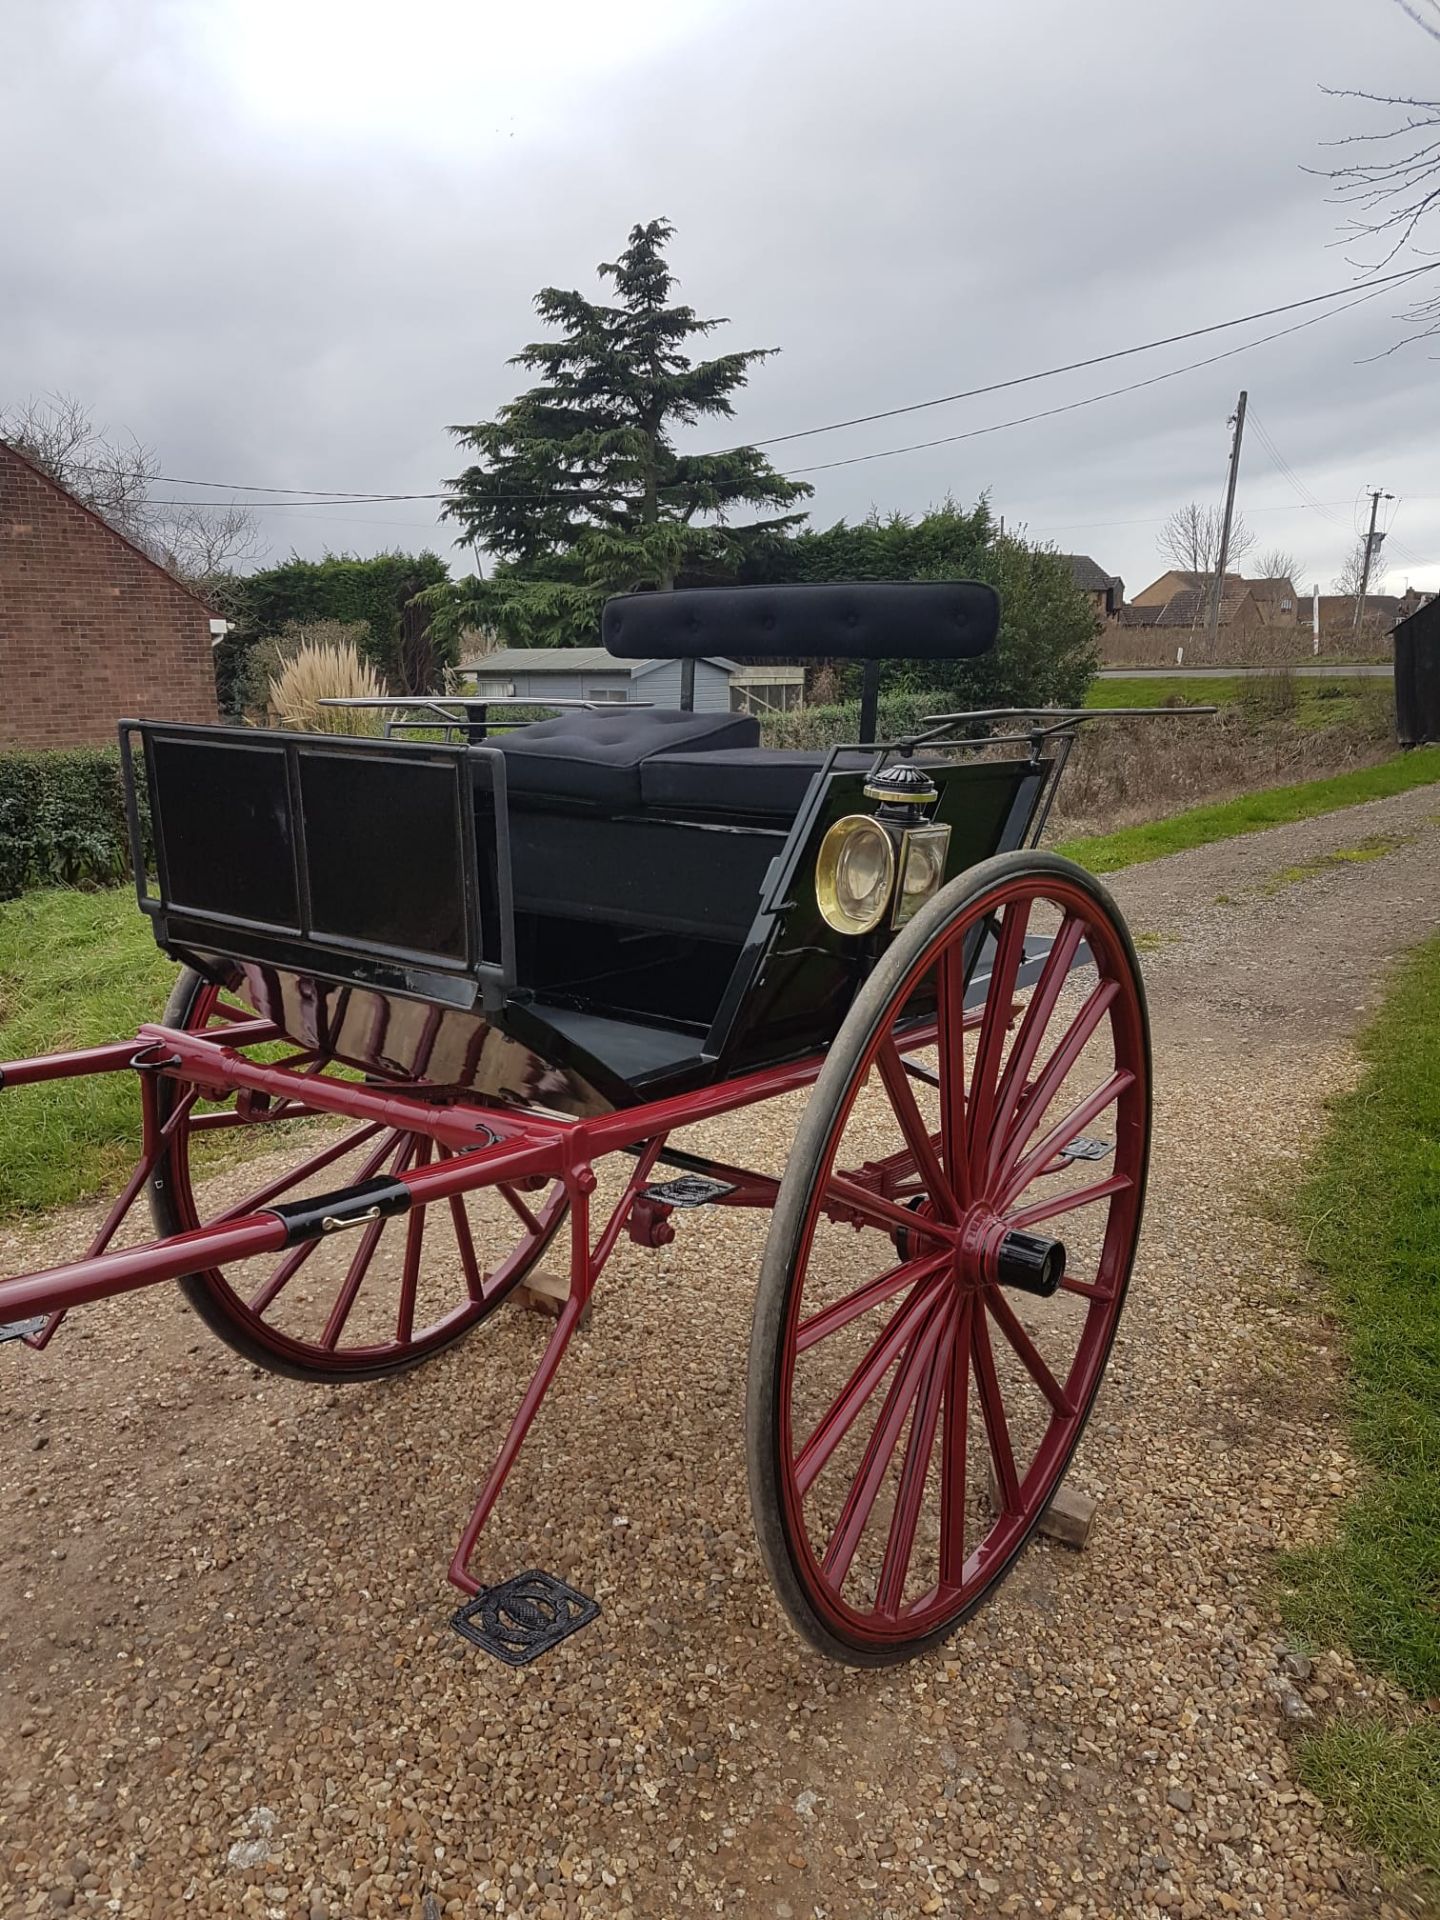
x=1272 y=807
x=1370 y=1212
x=1163 y=690
x=1302 y=702
x=75 y=969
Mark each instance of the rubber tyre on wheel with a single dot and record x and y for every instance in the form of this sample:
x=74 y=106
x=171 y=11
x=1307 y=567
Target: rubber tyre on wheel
x=945 y=1340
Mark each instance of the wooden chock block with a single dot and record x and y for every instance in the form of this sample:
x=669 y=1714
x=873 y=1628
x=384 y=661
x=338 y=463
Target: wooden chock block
x=544 y=1292
x=1068 y=1518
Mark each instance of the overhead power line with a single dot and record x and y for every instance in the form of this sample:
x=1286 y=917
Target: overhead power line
x=1074 y=406
x=1287 y=472
x=344 y=496
x=1095 y=360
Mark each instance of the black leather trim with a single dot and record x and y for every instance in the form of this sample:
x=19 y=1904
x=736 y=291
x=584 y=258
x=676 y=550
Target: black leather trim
x=849 y=620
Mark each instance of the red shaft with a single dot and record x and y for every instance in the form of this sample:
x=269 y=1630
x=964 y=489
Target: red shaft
x=59 y=1288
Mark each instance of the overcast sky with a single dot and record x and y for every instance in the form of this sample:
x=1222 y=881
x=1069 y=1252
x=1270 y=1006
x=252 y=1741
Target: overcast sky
x=287 y=241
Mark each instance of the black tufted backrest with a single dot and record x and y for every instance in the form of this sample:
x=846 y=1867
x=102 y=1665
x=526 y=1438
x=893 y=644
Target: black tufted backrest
x=847 y=620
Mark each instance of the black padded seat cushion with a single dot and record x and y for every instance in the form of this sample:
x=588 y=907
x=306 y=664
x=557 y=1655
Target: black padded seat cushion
x=737 y=779
x=598 y=756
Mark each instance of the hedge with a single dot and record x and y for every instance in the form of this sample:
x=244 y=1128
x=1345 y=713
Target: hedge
x=811 y=728
x=62 y=820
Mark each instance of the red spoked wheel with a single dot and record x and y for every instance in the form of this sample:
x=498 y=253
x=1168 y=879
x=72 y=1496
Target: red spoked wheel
x=358 y=1305
x=948 y=1258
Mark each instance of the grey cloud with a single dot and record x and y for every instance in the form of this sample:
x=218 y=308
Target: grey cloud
x=906 y=199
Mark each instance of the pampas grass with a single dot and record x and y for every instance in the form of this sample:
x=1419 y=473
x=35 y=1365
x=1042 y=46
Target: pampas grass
x=322 y=671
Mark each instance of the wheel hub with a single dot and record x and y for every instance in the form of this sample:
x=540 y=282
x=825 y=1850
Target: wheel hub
x=988 y=1253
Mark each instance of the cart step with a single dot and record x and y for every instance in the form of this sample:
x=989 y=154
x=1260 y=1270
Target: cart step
x=1083 y=1149
x=523 y=1617
x=687 y=1190
x=20 y=1329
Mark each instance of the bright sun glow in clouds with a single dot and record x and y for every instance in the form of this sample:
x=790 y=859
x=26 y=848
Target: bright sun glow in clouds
x=439 y=74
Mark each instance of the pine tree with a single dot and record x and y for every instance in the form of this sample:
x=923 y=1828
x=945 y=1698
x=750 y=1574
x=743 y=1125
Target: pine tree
x=578 y=489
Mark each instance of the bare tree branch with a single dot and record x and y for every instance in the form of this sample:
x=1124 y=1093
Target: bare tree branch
x=1278 y=563
x=1190 y=539
x=1390 y=195
x=114 y=479
x=1347 y=581
x=197 y=543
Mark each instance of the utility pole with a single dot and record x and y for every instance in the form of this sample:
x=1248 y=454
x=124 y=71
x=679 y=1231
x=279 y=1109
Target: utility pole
x=1376 y=497
x=1212 y=624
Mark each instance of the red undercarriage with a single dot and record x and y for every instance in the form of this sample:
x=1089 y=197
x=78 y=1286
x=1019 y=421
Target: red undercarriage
x=484 y=1145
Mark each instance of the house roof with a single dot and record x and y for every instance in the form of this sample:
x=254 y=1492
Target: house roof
x=1335 y=607
x=1088 y=574
x=1428 y=605
x=1232 y=580
x=9 y=448
x=512 y=660
x=1273 y=587
x=1184 y=608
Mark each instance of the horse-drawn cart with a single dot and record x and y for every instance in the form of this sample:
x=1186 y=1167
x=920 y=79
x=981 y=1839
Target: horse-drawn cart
x=430 y=987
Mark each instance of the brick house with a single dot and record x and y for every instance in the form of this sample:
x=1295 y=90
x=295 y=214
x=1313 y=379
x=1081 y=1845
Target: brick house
x=1104 y=591
x=91 y=629
x=1180 y=599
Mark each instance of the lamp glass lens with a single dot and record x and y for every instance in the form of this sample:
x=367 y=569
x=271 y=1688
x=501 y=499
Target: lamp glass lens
x=855 y=874
x=922 y=869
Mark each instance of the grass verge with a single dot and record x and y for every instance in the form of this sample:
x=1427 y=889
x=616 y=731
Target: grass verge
x=75 y=969
x=1252 y=812
x=1303 y=701
x=1371 y=1213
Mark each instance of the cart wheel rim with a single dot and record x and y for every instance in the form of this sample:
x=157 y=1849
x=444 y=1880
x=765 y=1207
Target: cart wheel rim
x=398 y=1291
x=946 y=1413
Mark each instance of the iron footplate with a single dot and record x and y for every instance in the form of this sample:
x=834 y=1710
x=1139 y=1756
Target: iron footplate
x=523 y=1617
x=20 y=1329
x=1081 y=1148
x=687 y=1190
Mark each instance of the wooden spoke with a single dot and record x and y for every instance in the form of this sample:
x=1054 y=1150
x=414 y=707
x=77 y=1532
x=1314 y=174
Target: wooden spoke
x=414 y=1247
x=363 y=1255
x=951 y=1026
x=956 y=1442
x=915 y=1129
x=1064 y=1131
x=890 y=1592
x=350 y=1306
x=874 y=1293
x=840 y=1416
x=999 y=998
x=1034 y=1021
x=518 y=1207
x=253 y=1202
x=1034 y=1101
x=992 y=1408
x=860 y=1501
x=1087 y=1288
x=1006 y=1319
x=270 y=1290
x=877 y=1211
x=1070 y=1201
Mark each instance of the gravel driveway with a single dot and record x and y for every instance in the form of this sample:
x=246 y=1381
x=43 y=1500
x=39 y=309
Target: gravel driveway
x=228 y=1686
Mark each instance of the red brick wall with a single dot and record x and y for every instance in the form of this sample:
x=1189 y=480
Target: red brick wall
x=90 y=630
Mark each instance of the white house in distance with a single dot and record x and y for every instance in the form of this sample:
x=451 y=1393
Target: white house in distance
x=590 y=673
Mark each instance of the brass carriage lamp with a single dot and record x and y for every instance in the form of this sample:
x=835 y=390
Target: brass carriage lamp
x=892 y=859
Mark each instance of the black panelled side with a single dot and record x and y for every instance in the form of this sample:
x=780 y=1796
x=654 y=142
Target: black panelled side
x=383 y=839
x=224 y=815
